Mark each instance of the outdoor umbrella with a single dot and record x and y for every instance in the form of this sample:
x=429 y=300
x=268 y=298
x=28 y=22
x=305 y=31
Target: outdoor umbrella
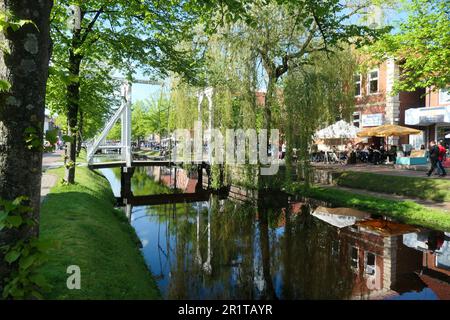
x=387 y=228
x=338 y=130
x=340 y=217
x=387 y=130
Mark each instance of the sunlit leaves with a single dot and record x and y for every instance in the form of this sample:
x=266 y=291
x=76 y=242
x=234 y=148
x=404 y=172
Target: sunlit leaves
x=4 y=85
x=421 y=45
x=7 y=20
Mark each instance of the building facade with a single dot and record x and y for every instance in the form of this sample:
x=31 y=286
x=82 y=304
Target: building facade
x=375 y=103
x=433 y=116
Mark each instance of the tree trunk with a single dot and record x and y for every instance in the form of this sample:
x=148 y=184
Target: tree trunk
x=25 y=66
x=73 y=102
x=264 y=181
x=268 y=105
x=80 y=133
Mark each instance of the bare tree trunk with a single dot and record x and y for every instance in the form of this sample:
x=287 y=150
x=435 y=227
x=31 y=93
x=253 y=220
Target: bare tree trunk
x=25 y=66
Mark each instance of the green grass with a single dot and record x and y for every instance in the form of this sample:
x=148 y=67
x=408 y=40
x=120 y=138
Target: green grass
x=422 y=188
x=403 y=211
x=93 y=235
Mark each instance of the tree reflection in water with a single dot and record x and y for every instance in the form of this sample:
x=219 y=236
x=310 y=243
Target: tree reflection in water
x=228 y=250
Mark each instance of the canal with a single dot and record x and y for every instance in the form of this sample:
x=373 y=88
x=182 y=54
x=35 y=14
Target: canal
x=228 y=249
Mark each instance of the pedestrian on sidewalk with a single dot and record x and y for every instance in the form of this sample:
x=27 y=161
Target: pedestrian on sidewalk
x=434 y=157
x=441 y=159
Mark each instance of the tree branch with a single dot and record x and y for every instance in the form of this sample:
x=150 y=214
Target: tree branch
x=60 y=32
x=91 y=25
x=322 y=32
x=284 y=67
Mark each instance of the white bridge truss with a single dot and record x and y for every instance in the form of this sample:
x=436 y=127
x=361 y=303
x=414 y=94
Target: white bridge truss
x=124 y=113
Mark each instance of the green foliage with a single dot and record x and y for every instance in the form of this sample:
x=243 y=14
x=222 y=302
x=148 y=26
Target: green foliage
x=98 y=95
x=52 y=136
x=24 y=256
x=7 y=20
x=139 y=120
x=421 y=45
x=34 y=139
x=298 y=51
x=4 y=85
x=318 y=94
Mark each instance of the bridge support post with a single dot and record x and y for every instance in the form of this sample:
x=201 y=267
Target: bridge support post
x=126 y=173
x=199 y=185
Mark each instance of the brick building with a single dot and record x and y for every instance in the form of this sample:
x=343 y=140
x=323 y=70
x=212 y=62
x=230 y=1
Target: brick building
x=376 y=105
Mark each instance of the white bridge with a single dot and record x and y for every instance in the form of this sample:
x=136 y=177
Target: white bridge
x=124 y=114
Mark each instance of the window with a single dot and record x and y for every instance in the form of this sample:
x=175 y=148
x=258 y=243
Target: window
x=357 y=80
x=354 y=253
x=356 y=119
x=444 y=95
x=372 y=83
x=370 y=263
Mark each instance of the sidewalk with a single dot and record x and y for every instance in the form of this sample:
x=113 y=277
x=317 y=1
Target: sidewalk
x=377 y=169
x=52 y=160
x=48 y=181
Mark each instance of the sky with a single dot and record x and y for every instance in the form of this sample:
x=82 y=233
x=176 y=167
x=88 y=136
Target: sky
x=144 y=92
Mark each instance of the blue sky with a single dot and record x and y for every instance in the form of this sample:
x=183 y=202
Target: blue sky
x=144 y=91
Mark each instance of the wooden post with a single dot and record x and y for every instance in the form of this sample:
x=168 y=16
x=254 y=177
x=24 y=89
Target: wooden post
x=199 y=185
x=125 y=182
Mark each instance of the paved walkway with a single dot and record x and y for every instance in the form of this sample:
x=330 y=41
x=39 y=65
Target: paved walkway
x=377 y=169
x=52 y=160
x=48 y=181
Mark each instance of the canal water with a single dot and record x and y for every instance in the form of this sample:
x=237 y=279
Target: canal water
x=226 y=249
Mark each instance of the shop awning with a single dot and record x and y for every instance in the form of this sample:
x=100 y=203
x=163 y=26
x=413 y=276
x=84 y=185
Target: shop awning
x=427 y=116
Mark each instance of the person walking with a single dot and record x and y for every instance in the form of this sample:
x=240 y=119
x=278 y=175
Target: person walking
x=441 y=159
x=434 y=157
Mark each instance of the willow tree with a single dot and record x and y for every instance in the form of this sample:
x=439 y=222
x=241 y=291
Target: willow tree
x=317 y=94
x=286 y=33
x=231 y=71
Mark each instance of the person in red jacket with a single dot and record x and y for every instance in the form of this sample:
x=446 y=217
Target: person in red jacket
x=441 y=159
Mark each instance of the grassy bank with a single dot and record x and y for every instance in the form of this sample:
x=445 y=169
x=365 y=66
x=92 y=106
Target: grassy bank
x=96 y=237
x=404 y=211
x=423 y=188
